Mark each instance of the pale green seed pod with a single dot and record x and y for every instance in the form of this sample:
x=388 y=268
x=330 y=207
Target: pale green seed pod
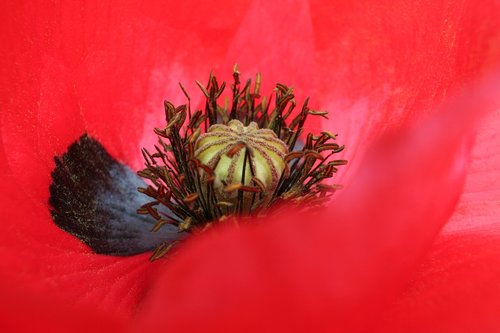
x=265 y=159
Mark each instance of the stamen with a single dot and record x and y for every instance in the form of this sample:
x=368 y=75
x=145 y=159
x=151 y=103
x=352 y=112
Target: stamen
x=242 y=161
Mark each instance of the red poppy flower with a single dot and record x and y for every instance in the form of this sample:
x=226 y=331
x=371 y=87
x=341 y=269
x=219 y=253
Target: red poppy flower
x=385 y=255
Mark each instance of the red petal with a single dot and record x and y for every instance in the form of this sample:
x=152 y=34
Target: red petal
x=277 y=44
x=97 y=67
x=67 y=68
x=479 y=207
x=39 y=256
x=25 y=311
x=384 y=63
x=338 y=272
x=457 y=289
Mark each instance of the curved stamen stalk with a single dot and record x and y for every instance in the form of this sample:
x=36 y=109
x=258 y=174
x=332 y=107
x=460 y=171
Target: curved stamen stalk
x=225 y=161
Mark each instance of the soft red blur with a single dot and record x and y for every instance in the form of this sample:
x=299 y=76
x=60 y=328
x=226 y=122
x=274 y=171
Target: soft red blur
x=377 y=259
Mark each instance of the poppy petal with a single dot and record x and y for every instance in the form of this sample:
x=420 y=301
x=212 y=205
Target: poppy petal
x=334 y=270
x=479 y=207
x=273 y=39
x=100 y=68
x=38 y=256
x=385 y=64
x=26 y=311
x=64 y=96
x=457 y=287
x=456 y=290
x=105 y=69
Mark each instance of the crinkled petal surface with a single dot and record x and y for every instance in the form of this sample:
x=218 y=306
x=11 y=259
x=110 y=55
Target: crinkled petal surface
x=70 y=67
x=99 y=67
x=30 y=311
x=387 y=63
x=479 y=206
x=336 y=270
x=104 y=68
x=457 y=287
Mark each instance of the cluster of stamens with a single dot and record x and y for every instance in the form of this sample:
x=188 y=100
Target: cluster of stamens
x=235 y=160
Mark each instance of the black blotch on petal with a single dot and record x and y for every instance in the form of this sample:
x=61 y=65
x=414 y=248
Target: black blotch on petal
x=95 y=198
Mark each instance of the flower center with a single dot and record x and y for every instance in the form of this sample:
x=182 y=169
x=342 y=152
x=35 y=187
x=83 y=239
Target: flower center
x=242 y=155
x=224 y=161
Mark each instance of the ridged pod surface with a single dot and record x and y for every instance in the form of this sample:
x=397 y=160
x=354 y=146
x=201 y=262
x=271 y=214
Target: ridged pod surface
x=238 y=153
